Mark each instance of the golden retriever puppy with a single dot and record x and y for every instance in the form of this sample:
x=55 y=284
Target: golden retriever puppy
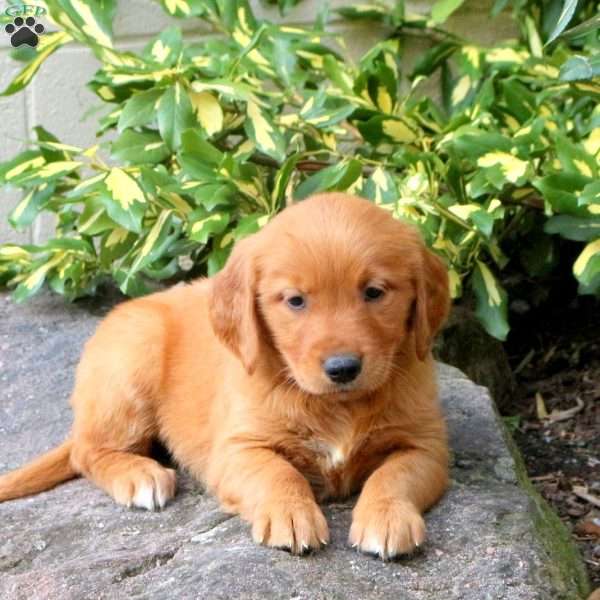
x=302 y=371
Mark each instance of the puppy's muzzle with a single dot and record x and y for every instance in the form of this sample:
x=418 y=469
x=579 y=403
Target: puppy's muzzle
x=342 y=368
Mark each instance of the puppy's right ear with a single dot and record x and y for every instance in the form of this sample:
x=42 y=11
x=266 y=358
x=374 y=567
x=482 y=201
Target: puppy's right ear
x=232 y=306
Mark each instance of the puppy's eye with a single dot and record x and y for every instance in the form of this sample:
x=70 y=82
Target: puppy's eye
x=296 y=302
x=372 y=293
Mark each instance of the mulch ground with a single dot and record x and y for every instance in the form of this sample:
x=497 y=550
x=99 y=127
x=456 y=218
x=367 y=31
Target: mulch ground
x=556 y=416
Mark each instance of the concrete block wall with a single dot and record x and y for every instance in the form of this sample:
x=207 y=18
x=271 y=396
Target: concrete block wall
x=57 y=98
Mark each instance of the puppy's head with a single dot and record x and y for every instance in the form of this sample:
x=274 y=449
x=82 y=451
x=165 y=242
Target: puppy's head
x=337 y=289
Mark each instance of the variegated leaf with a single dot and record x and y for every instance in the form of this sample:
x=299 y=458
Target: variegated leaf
x=139 y=148
x=48 y=45
x=175 y=115
x=125 y=200
x=88 y=22
x=336 y=177
x=140 y=109
x=28 y=208
x=264 y=133
x=208 y=112
x=587 y=268
x=35 y=279
x=156 y=242
x=203 y=225
x=492 y=305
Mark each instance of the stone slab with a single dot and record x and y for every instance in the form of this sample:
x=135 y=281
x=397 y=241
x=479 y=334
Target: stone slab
x=489 y=538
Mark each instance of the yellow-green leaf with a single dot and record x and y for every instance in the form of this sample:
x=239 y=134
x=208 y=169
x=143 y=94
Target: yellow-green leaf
x=587 y=267
x=116 y=236
x=461 y=90
x=204 y=225
x=123 y=188
x=156 y=242
x=492 y=306
x=398 y=131
x=87 y=183
x=13 y=252
x=90 y=26
x=454 y=283
x=173 y=6
x=512 y=167
x=33 y=282
x=57 y=168
x=384 y=100
x=208 y=111
x=264 y=133
x=160 y=51
x=48 y=44
x=33 y=163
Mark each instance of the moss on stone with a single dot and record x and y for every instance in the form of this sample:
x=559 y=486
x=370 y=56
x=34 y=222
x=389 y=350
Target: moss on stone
x=565 y=565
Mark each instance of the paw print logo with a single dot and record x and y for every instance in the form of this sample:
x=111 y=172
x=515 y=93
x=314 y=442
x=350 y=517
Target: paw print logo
x=24 y=32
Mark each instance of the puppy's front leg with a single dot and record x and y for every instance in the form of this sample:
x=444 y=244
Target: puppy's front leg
x=387 y=518
x=266 y=490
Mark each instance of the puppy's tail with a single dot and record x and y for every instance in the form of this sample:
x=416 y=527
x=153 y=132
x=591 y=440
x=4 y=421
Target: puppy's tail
x=41 y=474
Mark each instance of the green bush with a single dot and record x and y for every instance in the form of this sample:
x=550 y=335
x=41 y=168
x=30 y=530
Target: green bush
x=214 y=138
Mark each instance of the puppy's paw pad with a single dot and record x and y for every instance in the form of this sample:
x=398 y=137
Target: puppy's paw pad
x=386 y=528
x=295 y=524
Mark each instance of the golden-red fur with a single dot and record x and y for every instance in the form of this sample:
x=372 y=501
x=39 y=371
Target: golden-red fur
x=230 y=378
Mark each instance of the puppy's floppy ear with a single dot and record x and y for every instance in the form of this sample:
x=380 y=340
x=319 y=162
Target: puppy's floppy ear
x=432 y=301
x=232 y=306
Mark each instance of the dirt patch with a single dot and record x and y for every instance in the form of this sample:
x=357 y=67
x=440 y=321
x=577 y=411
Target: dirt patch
x=555 y=415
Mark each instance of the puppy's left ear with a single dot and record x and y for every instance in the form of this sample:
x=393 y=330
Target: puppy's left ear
x=232 y=305
x=432 y=302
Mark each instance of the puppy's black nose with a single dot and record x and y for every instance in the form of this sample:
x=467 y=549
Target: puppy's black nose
x=342 y=368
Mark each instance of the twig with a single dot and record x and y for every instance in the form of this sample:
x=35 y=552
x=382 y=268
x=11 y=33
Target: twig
x=307 y=166
x=312 y=165
x=434 y=33
x=549 y=354
x=544 y=477
x=526 y=360
x=581 y=492
x=564 y=415
x=531 y=201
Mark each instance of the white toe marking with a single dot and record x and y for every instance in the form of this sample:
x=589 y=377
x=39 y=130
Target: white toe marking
x=163 y=495
x=144 y=497
x=373 y=546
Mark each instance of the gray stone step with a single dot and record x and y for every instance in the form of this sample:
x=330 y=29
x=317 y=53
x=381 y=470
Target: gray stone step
x=491 y=537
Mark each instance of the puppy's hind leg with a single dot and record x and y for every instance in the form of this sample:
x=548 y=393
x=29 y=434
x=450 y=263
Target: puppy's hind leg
x=117 y=385
x=131 y=479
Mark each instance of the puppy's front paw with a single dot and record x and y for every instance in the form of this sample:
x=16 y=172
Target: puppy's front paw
x=386 y=527
x=149 y=486
x=293 y=523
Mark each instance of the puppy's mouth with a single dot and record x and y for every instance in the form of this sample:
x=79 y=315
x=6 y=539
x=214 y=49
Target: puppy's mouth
x=336 y=391
x=373 y=376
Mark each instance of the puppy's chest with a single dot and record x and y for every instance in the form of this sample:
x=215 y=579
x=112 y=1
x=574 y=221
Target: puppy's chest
x=337 y=466
x=333 y=455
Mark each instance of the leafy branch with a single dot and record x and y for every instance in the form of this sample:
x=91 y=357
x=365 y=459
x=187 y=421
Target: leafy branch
x=213 y=138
